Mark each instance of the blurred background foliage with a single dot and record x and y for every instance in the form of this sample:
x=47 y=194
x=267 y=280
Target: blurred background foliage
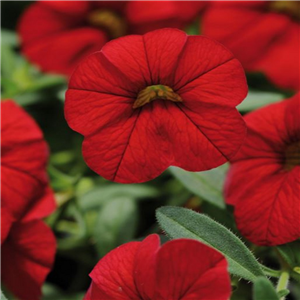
x=95 y=215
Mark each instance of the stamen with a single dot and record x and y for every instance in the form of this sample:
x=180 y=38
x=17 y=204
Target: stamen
x=114 y=24
x=291 y=8
x=292 y=156
x=155 y=92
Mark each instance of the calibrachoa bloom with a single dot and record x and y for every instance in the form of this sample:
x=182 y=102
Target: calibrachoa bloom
x=263 y=182
x=264 y=36
x=27 y=244
x=144 y=103
x=180 y=269
x=56 y=35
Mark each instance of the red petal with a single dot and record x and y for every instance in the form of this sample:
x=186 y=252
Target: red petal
x=284 y=72
x=218 y=78
x=61 y=24
x=115 y=6
x=238 y=36
x=238 y=180
x=270 y=214
x=128 y=55
x=258 y=37
x=97 y=74
x=205 y=287
x=211 y=136
x=41 y=208
x=145 y=266
x=145 y=16
x=272 y=130
x=24 y=158
x=210 y=72
x=235 y=18
x=54 y=54
x=50 y=22
x=102 y=110
x=115 y=152
x=242 y=4
x=187 y=269
x=94 y=293
x=163 y=56
x=189 y=10
x=27 y=258
x=139 y=12
x=6 y=222
x=265 y=194
x=113 y=275
x=292 y=107
x=73 y=8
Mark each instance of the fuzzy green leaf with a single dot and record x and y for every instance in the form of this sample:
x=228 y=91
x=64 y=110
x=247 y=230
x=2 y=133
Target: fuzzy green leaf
x=290 y=253
x=9 y=37
x=283 y=293
x=116 y=224
x=184 y=223
x=207 y=185
x=102 y=194
x=264 y=290
x=255 y=100
x=2 y=296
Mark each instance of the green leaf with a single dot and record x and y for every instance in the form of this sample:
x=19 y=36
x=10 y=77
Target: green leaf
x=264 y=290
x=193 y=29
x=283 y=293
x=290 y=253
x=45 y=82
x=61 y=181
x=184 y=223
x=102 y=194
x=9 y=37
x=222 y=216
x=25 y=99
x=208 y=185
x=3 y=297
x=51 y=292
x=255 y=100
x=116 y=224
x=8 y=62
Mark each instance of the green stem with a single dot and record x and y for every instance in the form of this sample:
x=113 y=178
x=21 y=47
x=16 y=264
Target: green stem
x=283 y=282
x=271 y=272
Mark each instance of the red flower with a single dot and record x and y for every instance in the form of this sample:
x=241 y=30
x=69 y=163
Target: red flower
x=56 y=35
x=129 y=137
x=27 y=257
x=28 y=245
x=264 y=36
x=263 y=181
x=180 y=269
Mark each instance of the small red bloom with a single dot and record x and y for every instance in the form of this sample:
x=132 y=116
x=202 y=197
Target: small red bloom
x=180 y=269
x=144 y=103
x=27 y=257
x=263 y=181
x=264 y=36
x=56 y=35
x=24 y=156
x=28 y=245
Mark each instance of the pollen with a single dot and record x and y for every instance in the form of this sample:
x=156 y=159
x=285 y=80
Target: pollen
x=155 y=92
x=109 y=21
x=291 y=8
x=292 y=156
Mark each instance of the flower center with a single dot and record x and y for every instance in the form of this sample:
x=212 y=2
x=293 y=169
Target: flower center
x=108 y=20
x=292 y=156
x=154 y=92
x=292 y=8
